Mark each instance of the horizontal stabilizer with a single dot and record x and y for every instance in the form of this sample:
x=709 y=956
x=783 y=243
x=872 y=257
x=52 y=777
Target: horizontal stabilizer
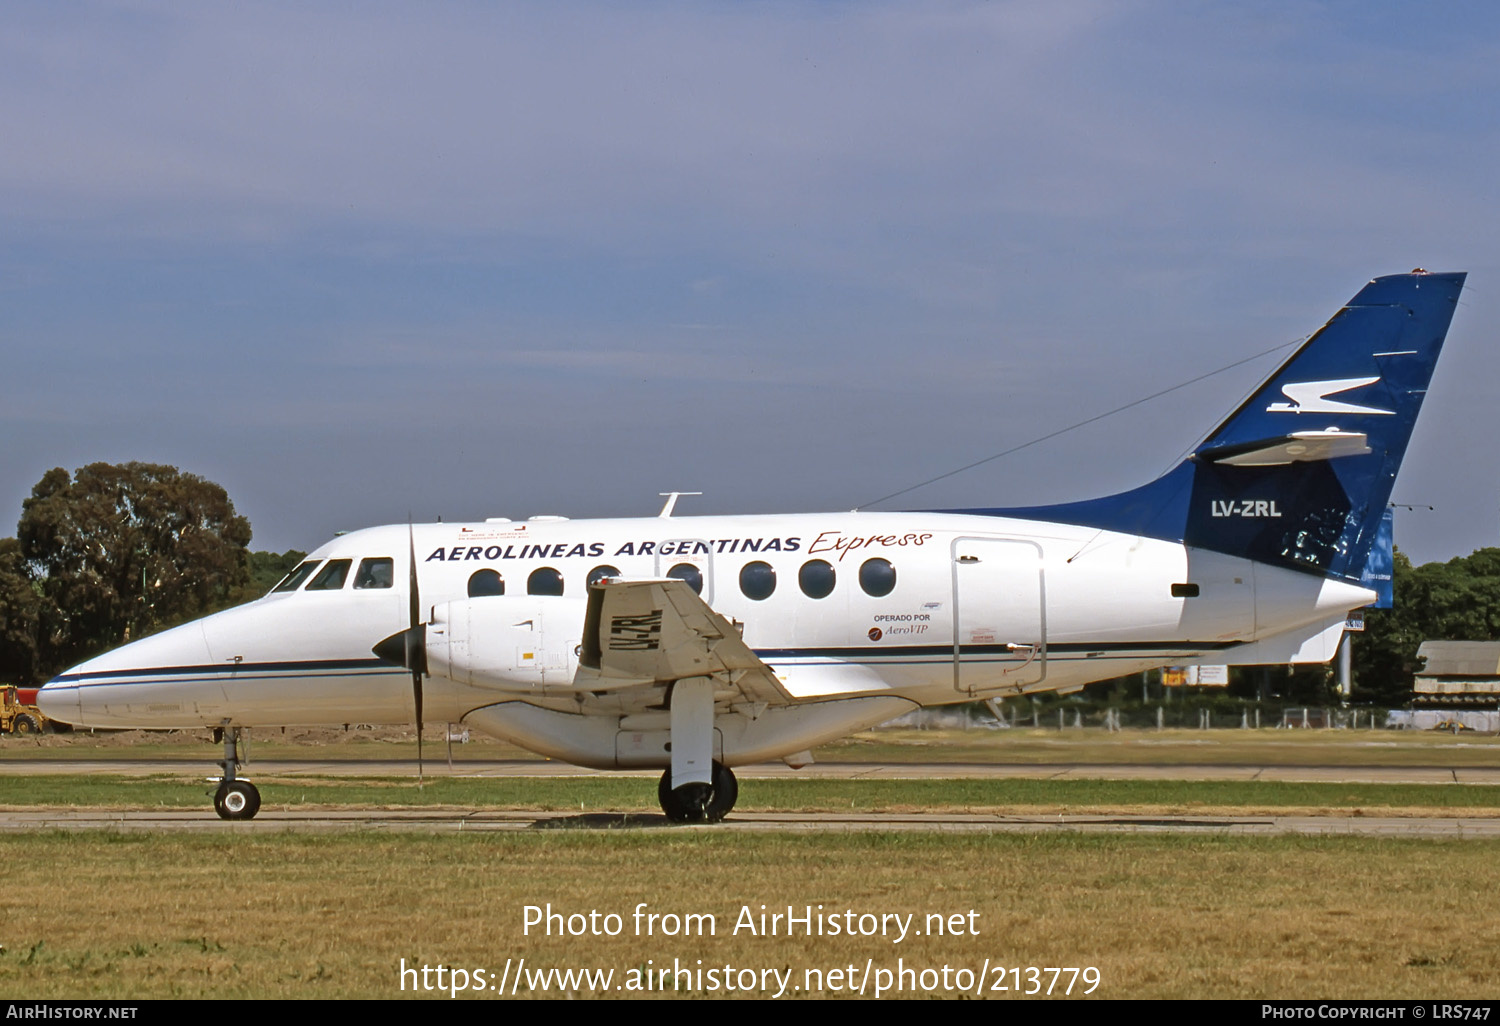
x=1298 y=447
x=1315 y=643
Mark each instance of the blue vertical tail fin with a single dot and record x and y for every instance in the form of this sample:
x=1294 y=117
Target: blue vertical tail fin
x=1300 y=474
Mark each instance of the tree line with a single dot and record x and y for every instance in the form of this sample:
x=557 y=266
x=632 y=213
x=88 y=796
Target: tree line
x=1454 y=601
x=115 y=552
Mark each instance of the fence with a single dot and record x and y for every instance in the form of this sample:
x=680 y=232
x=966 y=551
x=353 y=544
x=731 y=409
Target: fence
x=1031 y=714
x=1486 y=720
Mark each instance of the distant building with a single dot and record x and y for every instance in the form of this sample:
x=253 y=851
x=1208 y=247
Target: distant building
x=1457 y=688
x=1459 y=673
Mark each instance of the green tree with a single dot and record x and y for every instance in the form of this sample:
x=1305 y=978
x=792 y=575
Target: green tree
x=1454 y=601
x=121 y=551
x=266 y=571
x=20 y=612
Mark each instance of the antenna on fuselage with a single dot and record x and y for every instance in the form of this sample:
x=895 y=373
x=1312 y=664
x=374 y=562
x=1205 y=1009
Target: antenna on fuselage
x=1075 y=426
x=671 y=497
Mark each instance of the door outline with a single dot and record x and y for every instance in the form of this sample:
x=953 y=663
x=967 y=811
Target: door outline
x=1029 y=667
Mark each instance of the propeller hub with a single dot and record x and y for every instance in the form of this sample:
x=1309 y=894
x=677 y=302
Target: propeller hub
x=400 y=648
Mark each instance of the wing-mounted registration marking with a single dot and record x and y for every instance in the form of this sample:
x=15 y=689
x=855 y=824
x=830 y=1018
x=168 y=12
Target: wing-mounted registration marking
x=632 y=633
x=654 y=632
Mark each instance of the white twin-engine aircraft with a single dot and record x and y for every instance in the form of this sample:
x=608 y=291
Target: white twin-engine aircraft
x=696 y=644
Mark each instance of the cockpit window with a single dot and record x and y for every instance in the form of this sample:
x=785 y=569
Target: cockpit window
x=377 y=572
x=293 y=580
x=331 y=577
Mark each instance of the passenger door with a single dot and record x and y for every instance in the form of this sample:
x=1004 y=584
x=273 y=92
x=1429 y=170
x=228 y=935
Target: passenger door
x=999 y=615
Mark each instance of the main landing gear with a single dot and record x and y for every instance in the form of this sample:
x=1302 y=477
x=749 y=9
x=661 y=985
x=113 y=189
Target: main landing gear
x=235 y=798
x=696 y=788
x=699 y=803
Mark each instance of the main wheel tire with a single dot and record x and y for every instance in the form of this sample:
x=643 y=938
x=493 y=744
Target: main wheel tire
x=237 y=799
x=726 y=793
x=25 y=723
x=690 y=804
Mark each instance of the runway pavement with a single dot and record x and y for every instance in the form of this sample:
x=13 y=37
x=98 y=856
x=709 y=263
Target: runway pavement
x=12 y=766
x=471 y=820
x=439 y=821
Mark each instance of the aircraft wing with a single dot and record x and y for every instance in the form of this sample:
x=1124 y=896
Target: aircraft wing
x=657 y=631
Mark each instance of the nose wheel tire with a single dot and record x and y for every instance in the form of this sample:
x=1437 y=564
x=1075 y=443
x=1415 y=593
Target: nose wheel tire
x=237 y=799
x=699 y=803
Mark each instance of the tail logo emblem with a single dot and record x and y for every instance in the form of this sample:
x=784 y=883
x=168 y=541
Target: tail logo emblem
x=1312 y=397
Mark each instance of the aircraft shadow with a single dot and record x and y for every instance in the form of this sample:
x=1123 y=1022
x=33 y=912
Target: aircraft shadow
x=604 y=821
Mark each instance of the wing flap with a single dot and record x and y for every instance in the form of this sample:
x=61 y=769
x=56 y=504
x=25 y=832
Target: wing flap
x=658 y=631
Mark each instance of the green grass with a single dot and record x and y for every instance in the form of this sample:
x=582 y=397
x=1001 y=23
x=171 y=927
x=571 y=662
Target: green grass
x=1225 y=747
x=331 y=916
x=114 y=915
x=631 y=794
x=1021 y=746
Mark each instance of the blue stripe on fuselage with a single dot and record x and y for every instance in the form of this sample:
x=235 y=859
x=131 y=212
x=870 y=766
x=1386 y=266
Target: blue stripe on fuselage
x=906 y=653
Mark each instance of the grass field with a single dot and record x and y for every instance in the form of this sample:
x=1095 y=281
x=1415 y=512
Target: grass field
x=1226 y=747
x=631 y=794
x=1159 y=916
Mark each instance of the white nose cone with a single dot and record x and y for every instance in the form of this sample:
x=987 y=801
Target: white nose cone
x=59 y=701
x=155 y=682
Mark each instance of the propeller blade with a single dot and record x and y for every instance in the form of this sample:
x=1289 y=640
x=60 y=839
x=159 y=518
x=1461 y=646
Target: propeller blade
x=415 y=647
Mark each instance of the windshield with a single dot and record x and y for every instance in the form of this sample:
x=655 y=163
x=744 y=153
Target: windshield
x=331 y=577
x=293 y=580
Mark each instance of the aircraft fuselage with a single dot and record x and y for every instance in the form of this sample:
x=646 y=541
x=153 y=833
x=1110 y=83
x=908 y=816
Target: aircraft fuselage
x=860 y=615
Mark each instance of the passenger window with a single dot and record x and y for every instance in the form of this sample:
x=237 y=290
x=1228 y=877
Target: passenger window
x=378 y=572
x=690 y=573
x=293 y=580
x=484 y=583
x=816 y=578
x=757 y=580
x=544 y=581
x=331 y=577
x=599 y=573
x=877 y=577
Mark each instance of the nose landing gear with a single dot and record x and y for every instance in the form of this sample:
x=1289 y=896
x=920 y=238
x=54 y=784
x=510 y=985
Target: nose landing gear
x=235 y=798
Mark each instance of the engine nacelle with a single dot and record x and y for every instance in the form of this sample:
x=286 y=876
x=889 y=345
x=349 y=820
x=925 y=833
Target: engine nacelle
x=511 y=643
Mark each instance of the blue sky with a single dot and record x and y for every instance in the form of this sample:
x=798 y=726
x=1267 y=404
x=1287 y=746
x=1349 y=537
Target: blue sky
x=355 y=261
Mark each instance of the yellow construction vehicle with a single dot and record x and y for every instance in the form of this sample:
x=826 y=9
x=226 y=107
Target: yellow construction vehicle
x=18 y=711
